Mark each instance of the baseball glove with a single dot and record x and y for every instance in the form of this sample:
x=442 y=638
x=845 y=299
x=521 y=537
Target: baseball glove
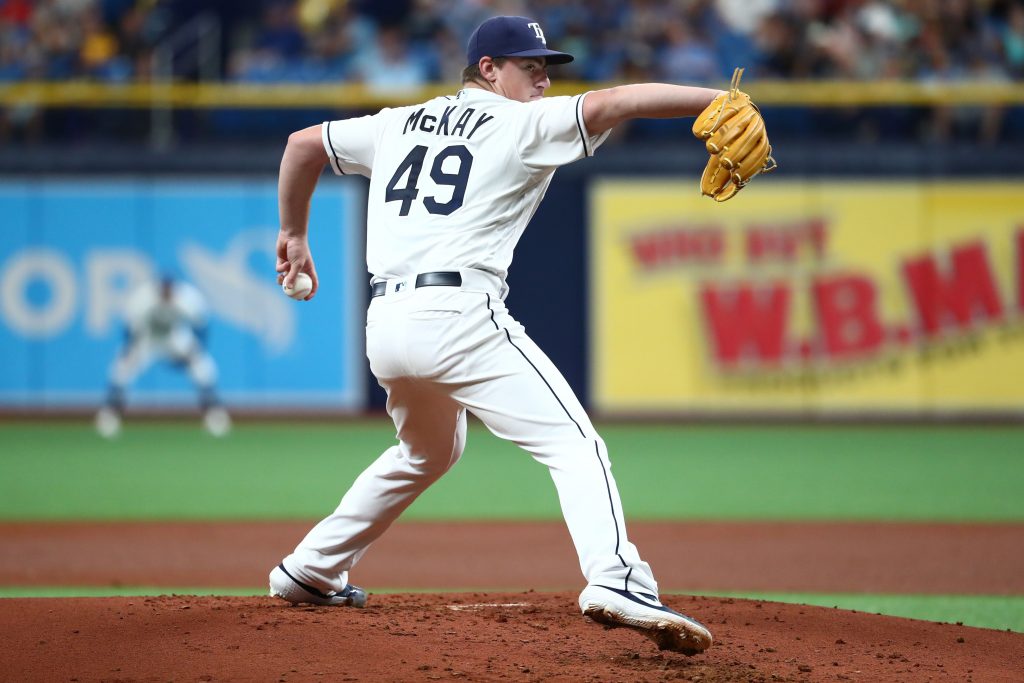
x=737 y=141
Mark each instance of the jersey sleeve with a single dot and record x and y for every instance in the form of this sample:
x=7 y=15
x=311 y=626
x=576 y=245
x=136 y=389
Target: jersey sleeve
x=351 y=144
x=551 y=133
x=137 y=309
x=192 y=305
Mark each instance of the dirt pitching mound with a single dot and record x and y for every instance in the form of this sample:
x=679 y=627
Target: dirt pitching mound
x=526 y=636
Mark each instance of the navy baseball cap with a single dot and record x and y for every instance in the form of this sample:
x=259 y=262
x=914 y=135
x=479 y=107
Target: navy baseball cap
x=511 y=37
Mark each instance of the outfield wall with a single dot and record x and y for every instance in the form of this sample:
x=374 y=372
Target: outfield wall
x=74 y=251
x=903 y=297
x=800 y=298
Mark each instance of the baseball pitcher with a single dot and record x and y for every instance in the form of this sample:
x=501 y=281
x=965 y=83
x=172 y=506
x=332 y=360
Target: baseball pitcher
x=453 y=183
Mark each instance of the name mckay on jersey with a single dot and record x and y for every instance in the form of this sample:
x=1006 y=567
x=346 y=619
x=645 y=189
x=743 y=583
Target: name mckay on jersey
x=438 y=125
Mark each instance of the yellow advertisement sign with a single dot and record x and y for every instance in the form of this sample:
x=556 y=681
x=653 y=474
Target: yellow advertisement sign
x=808 y=297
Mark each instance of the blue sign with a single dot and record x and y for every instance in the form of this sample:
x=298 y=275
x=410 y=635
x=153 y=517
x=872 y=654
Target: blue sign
x=74 y=252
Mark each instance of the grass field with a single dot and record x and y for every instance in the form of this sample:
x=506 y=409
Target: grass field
x=173 y=471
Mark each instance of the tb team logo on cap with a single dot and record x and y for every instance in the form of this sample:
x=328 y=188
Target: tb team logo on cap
x=540 y=34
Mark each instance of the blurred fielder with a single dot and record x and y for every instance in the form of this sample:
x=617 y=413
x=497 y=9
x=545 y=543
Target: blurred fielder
x=453 y=183
x=164 y=321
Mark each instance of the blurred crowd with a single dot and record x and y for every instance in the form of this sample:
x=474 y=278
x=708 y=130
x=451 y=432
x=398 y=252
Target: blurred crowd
x=396 y=44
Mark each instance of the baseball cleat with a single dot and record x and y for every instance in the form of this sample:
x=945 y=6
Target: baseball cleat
x=217 y=422
x=108 y=423
x=285 y=586
x=669 y=629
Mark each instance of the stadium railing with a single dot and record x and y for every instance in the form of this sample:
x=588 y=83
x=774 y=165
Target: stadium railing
x=84 y=94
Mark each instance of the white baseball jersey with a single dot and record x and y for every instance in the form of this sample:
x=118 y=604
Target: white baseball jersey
x=148 y=314
x=453 y=184
x=437 y=201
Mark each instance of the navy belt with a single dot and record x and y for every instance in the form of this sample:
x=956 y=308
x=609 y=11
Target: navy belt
x=442 y=278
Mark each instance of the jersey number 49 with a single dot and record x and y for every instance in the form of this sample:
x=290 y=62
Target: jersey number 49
x=413 y=164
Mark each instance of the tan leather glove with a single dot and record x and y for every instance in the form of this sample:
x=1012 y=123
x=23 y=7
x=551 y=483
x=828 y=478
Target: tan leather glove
x=737 y=141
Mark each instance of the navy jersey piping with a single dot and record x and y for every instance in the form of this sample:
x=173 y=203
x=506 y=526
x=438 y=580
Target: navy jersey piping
x=579 y=125
x=337 y=161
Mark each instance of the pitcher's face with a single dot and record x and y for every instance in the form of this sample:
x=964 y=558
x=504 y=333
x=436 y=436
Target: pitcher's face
x=522 y=78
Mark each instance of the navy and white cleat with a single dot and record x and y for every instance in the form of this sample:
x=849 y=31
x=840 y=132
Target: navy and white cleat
x=285 y=586
x=644 y=612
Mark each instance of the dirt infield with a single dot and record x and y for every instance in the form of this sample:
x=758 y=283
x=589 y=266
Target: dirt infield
x=488 y=631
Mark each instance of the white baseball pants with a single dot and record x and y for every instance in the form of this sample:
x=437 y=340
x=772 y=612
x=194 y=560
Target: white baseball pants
x=440 y=351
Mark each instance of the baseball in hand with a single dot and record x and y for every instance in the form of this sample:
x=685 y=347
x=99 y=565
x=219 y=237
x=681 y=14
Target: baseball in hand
x=300 y=288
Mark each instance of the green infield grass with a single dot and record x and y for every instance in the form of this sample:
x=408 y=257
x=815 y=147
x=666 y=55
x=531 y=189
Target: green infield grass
x=280 y=470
